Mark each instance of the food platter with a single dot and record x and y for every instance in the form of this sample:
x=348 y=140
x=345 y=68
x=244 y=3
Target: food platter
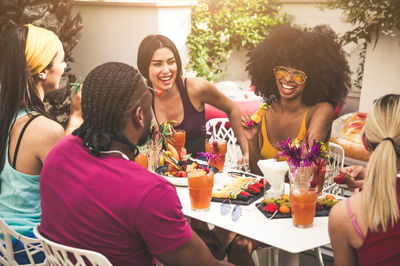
x=178 y=181
x=323 y=206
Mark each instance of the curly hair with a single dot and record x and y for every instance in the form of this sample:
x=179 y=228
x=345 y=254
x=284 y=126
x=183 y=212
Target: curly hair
x=316 y=52
x=108 y=91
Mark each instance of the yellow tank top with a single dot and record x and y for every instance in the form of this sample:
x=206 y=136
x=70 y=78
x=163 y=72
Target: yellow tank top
x=267 y=150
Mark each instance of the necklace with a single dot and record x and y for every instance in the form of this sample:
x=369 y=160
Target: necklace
x=116 y=151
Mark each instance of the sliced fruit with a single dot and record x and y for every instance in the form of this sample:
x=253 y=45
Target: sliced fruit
x=190 y=167
x=162 y=160
x=329 y=197
x=183 y=153
x=174 y=153
x=284 y=209
x=197 y=172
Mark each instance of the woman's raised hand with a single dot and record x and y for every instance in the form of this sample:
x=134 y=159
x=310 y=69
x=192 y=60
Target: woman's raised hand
x=250 y=129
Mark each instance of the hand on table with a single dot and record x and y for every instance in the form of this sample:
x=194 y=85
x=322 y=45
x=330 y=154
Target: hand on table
x=356 y=173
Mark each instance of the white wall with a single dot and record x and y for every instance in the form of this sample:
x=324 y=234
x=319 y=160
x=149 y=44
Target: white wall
x=382 y=70
x=112 y=30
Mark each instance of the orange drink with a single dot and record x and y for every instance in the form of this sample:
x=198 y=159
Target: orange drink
x=178 y=140
x=142 y=159
x=217 y=147
x=303 y=202
x=200 y=189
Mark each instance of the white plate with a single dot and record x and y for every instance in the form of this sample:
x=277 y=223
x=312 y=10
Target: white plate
x=220 y=179
x=177 y=181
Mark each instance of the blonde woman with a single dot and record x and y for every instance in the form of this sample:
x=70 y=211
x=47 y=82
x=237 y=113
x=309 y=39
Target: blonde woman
x=365 y=228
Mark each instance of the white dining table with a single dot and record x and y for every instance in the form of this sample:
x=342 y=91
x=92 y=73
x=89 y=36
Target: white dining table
x=279 y=233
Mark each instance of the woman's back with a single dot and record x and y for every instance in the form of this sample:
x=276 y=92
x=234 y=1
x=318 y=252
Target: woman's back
x=19 y=196
x=382 y=248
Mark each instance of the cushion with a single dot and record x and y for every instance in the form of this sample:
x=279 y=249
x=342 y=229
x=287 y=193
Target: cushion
x=239 y=91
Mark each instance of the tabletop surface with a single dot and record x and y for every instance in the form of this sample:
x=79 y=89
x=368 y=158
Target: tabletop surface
x=280 y=233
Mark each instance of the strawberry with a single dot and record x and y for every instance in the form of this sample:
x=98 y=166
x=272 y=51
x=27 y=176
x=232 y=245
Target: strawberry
x=244 y=193
x=254 y=189
x=259 y=185
x=271 y=207
x=158 y=91
x=313 y=183
x=341 y=179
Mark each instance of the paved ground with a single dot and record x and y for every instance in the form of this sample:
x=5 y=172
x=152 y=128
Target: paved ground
x=306 y=259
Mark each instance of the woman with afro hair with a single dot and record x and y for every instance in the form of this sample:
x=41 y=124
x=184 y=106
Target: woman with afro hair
x=308 y=72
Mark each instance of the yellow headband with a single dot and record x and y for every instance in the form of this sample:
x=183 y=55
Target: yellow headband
x=41 y=47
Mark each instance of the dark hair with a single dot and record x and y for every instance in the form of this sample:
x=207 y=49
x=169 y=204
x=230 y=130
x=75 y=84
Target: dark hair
x=107 y=91
x=146 y=50
x=316 y=52
x=17 y=85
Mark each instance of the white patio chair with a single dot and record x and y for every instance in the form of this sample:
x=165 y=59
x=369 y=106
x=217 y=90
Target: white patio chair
x=221 y=132
x=62 y=255
x=32 y=246
x=335 y=163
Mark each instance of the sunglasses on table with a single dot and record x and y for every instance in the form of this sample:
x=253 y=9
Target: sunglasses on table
x=226 y=207
x=298 y=76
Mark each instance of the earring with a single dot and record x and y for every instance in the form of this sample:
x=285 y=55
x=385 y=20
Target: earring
x=42 y=75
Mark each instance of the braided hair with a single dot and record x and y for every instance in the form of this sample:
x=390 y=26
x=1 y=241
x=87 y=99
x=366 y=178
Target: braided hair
x=107 y=92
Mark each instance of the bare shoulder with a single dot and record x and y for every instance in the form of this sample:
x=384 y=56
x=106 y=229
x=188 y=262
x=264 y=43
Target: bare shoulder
x=199 y=85
x=337 y=215
x=43 y=128
x=322 y=108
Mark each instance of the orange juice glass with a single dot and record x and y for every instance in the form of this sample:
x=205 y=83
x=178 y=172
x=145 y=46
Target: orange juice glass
x=178 y=140
x=303 y=203
x=142 y=159
x=217 y=147
x=200 y=189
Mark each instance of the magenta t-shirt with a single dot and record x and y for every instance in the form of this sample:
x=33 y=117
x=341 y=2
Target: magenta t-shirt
x=109 y=205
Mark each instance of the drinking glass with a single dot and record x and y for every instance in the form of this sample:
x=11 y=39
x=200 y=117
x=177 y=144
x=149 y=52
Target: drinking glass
x=274 y=173
x=303 y=197
x=217 y=148
x=178 y=140
x=200 y=189
x=142 y=159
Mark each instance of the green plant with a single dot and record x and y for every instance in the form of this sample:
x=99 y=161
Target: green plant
x=54 y=15
x=370 y=18
x=220 y=26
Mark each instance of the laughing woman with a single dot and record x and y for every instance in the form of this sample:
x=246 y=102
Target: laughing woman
x=309 y=74
x=31 y=64
x=183 y=99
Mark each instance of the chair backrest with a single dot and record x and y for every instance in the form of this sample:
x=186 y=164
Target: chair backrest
x=222 y=131
x=335 y=163
x=60 y=255
x=32 y=246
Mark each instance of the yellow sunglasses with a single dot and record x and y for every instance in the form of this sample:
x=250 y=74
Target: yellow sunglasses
x=298 y=76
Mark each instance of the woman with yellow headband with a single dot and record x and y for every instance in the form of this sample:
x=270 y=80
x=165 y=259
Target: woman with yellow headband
x=31 y=64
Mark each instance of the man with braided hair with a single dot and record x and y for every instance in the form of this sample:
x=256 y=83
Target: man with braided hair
x=94 y=196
